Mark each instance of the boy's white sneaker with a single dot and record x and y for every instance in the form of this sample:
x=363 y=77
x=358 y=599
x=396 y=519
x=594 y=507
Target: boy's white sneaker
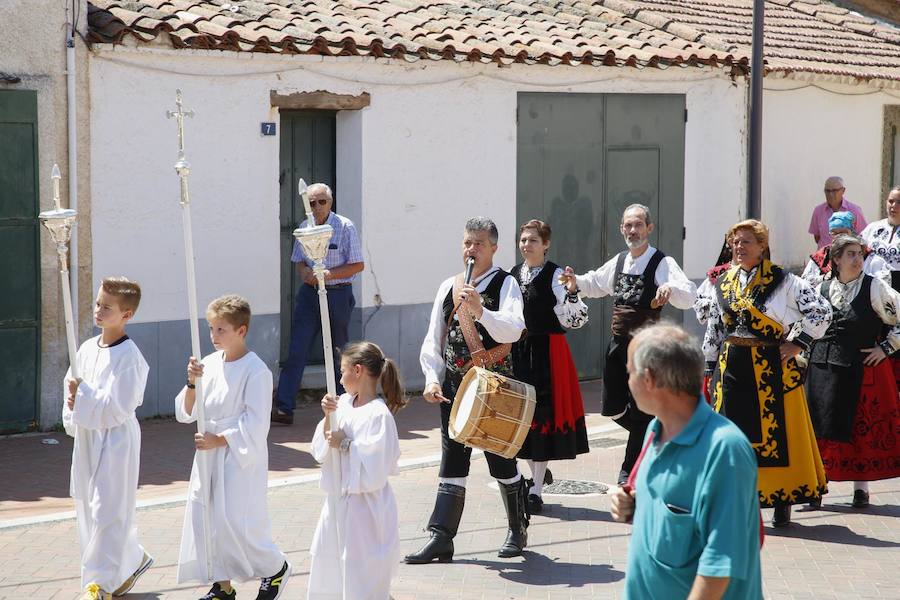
x=146 y=563
x=271 y=588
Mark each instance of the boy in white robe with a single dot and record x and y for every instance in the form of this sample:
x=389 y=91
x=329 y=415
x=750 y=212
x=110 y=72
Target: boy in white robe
x=99 y=414
x=356 y=547
x=237 y=400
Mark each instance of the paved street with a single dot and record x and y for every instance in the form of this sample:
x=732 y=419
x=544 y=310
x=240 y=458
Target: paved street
x=575 y=550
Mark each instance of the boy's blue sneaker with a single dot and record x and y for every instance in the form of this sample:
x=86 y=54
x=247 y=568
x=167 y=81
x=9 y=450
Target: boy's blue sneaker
x=217 y=593
x=271 y=588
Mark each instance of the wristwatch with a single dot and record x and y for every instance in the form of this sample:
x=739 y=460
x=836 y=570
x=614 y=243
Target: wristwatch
x=190 y=385
x=345 y=444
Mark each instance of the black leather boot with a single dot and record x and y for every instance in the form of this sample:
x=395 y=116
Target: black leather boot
x=782 y=516
x=443 y=524
x=514 y=500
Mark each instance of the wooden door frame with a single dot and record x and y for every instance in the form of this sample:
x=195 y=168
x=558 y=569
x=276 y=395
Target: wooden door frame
x=286 y=114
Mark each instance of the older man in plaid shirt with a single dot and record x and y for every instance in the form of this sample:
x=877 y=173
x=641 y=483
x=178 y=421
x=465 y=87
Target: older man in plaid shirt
x=342 y=262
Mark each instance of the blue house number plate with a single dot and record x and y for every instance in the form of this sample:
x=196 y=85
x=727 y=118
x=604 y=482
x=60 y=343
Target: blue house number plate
x=267 y=128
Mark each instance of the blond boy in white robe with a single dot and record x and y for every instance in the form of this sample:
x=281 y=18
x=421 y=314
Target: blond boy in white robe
x=356 y=547
x=237 y=400
x=99 y=414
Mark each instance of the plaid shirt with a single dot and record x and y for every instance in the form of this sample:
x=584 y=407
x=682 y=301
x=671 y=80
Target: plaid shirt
x=343 y=249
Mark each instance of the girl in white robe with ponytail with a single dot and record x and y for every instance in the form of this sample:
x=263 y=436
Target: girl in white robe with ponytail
x=356 y=546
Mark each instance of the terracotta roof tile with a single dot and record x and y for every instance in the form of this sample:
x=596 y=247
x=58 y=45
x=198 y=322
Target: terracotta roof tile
x=801 y=35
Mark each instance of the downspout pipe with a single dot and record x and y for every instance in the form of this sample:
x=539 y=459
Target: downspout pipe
x=73 y=161
x=754 y=187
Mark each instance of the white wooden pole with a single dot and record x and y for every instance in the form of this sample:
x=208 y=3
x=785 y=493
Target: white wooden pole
x=183 y=168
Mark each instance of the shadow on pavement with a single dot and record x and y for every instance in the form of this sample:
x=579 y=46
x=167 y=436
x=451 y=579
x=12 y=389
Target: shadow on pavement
x=878 y=510
x=835 y=534
x=575 y=513
x=538 y=569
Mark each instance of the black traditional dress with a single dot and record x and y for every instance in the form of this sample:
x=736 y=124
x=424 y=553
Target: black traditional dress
x=854 y=407
x=543 y=359
x=752 y=387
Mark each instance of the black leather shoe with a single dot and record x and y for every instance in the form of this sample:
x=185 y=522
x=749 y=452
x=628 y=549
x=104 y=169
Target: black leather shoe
x=860 y=498
x=548 y=477
x=282 y=417
x=443 y=525
x=516 y=516
x=815 y=504
x=782 y=516
x=535 y=504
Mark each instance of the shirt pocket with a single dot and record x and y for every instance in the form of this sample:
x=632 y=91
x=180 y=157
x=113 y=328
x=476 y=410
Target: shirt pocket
x=674 y=540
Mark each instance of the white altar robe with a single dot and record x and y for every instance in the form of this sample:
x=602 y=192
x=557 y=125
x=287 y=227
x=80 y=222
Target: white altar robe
x=106 y=459
x=237 y=402
x=356 y=554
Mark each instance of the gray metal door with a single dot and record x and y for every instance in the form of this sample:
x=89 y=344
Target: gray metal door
x=307 y=152
x=582 y=158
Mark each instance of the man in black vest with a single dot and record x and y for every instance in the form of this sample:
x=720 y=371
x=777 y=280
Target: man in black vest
x=642 y=280
x=494 y=301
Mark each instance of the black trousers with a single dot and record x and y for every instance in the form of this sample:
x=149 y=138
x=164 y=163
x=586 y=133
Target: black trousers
x=636 y=425
x=455 y=457
x=617 y=397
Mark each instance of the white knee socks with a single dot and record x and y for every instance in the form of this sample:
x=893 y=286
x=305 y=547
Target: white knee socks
x=460 y=481
x=861 y=485
x=511 y=480
x=538 y=470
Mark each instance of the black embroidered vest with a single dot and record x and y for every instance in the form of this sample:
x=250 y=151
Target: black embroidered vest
x=539 y=301
x=856 y=326
x=632 y=296
x=456 y=352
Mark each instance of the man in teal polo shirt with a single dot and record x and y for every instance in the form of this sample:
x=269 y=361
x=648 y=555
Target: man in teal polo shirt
x=694 y=502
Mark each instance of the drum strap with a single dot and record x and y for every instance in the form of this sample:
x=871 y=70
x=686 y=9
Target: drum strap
x=480 y=357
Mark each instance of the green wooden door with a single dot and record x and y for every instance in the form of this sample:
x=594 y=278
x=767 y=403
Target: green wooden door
x=581 y=159
x=307 y=152
x=19 y=261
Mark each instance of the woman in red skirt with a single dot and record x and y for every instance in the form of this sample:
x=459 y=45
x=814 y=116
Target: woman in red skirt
x=542 y=358
x=851 y=390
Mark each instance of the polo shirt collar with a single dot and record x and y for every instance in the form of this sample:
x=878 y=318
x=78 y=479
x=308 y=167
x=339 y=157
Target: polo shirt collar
x=688 y=436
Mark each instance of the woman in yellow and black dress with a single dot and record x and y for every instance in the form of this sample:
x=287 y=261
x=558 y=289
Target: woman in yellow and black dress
x=756 y=382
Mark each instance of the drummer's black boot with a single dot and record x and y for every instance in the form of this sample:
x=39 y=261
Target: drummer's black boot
x=443 y=524
x=514 y=495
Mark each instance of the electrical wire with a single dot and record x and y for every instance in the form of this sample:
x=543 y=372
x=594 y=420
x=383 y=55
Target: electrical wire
x=394 y=83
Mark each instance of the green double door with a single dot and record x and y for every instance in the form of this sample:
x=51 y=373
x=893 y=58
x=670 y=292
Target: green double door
x=307 y=151
x=581 y=159
x=19 y=262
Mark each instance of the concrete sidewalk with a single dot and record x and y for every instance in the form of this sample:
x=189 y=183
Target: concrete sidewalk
x=575 y=550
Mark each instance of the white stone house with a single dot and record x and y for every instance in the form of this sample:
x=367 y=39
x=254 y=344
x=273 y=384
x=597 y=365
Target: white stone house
x=423 y=114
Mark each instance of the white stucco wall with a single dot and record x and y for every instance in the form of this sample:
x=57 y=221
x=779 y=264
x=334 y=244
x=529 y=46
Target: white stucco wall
x=811 y=132
x=437 y=144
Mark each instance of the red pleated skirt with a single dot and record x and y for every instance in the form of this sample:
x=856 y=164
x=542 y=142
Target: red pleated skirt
x=874 y=452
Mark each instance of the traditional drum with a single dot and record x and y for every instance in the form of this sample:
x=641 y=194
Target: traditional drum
x=492 y=412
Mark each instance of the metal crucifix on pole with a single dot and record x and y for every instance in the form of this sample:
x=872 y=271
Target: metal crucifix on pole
x=183 y=168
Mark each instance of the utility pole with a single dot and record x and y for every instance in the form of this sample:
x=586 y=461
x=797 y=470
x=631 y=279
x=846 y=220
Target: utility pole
x=754 y=187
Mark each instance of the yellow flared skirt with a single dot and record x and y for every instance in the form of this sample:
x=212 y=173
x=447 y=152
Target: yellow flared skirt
x=803 y=479
x=766 y=399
